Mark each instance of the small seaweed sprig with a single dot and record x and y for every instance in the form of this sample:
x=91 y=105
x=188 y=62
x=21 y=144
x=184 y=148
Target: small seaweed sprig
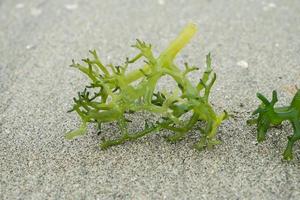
x=115 y=95
x=269 y=115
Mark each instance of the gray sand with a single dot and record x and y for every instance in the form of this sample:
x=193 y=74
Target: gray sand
x=39 y=38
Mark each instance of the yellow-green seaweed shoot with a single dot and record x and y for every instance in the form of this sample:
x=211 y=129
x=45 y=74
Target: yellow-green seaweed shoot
x=116 y=96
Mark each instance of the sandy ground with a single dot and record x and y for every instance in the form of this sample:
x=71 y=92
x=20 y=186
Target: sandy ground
x=255 y=47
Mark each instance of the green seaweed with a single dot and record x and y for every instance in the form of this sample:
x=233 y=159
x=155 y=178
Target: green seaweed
x=116 y=95
x=269 y=115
